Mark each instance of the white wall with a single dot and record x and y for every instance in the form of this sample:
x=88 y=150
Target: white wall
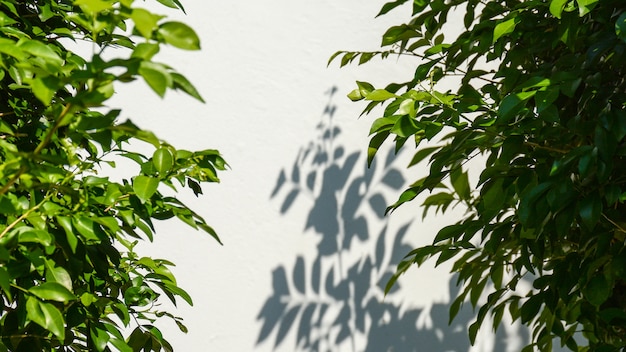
x=262 y=71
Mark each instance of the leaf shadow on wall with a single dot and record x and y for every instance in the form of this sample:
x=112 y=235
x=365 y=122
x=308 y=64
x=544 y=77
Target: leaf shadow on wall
x=337 y=299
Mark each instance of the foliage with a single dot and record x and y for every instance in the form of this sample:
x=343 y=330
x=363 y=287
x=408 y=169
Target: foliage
x=70 y=279
x=539 y=95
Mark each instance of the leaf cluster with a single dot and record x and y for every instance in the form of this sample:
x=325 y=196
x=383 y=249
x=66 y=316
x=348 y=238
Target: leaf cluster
x=70 y=279
x=540 y=95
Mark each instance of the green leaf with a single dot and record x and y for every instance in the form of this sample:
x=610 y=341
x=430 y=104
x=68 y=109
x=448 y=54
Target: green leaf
x=172 y=288
x=585 y=6
x=41 y=50
x=379 y=95
x=390 y=6
x=531 y=307
x=620 y=27
x=35 y=236
x=512 y=105
x=5 y=20
x=47 y=316
x=94 y=6
x=157 y=76
x=545 y=98
x=590 y=211
x=557 y=7
x=441 y=198
x=86 y=227
x=450 y=232
x=504 y=28
x=5 y=282
x=597 y=290
x=375 y=143
x=145 y=186
x=163 y=160
x=44 y=88
x=66 y=224
x=58 y=275
x=99 y=338
x=422 y=154
x=145 y=21
x=145 y=51
x=180 y=82
x=52 y=291
x=179 y=35
x=175 y=4
x=460 y=182
x=421 y=73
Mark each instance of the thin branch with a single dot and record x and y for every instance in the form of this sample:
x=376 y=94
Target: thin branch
x=24 y=216
x=15 y=177
x=535 y=145
x=621 y=229
x=54 y=128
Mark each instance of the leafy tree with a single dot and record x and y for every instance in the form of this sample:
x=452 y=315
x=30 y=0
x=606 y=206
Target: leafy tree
x=540 y=95
x=70 y=279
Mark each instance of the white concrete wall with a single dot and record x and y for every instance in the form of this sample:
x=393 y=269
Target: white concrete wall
x=262 y=71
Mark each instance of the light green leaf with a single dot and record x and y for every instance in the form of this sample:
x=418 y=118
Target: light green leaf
x=163 y=160
x=585 y=6
x=556 y=7
x=121 y=345
x=145 y=51
x=156 y=75
x=47 y=316
x=179 y=35
x=5 y=281
x=99 y=337
x=35 y=236
x=58 y=274
x=380 y=95
x=145 y=186
x=44 y=88
x=504 y=28
x=407 y=107
x=145 y=21
x=5 y=20
x=87 y=299
x=86 y=227
x=52 y=291
x=94 y=6
x=41 y=50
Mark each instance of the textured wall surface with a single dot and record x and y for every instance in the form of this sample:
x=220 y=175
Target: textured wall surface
x=306 y=248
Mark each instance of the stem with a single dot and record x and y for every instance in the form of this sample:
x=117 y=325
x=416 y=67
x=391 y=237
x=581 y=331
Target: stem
x=24 y=216
x=54 y=128
x=621 y=229
x=13 y=179
x=535 y=145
